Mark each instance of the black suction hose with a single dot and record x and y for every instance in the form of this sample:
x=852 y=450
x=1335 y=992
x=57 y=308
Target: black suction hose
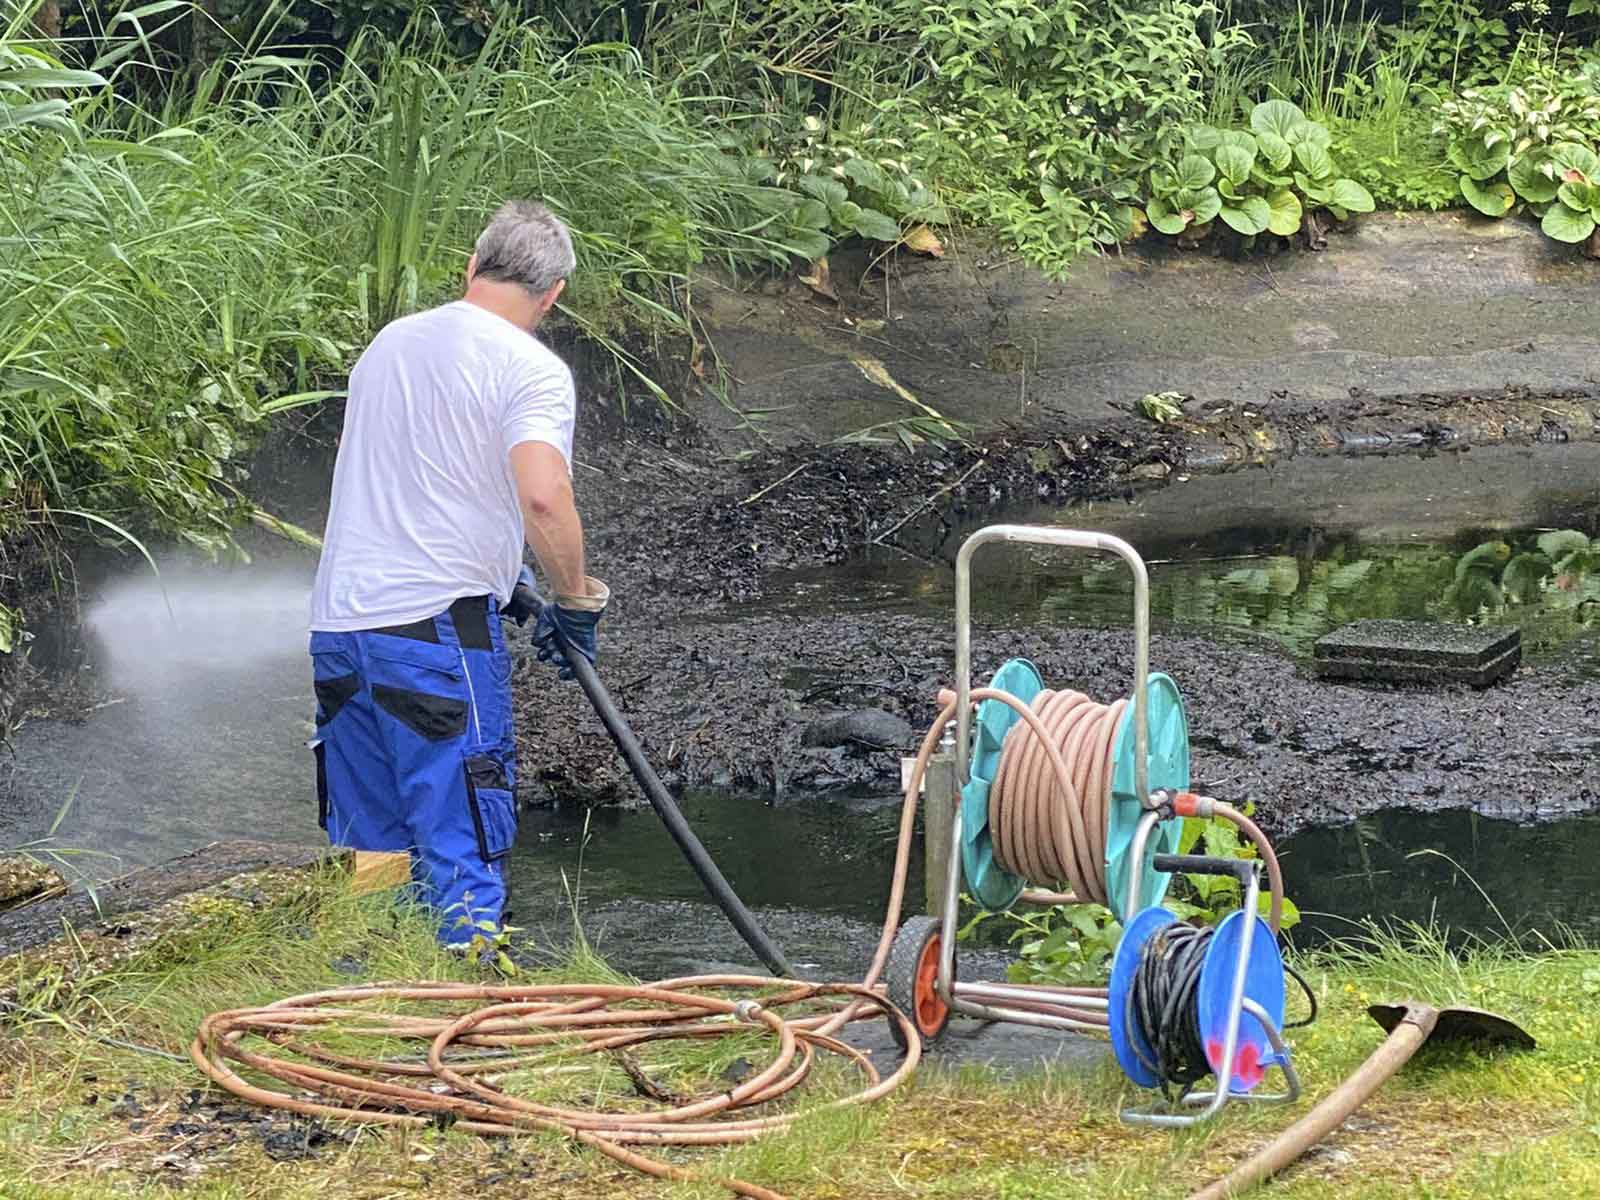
x=672 y=817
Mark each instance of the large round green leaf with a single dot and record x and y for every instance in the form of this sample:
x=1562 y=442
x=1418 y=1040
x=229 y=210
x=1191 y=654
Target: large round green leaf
x=1284 y=212
x=1121 y=220
x=1584 y=197
x=1557 y=544
x=1250 y=217
x=1318 y=192
x=1482 y=162
x=1522 y=576
x=1351 y=196
x=1203 y=137
x=1195 y=171
x=1311 y=131
x=1165 y=218
x=830 y=191
x=1235 y=162
x=1275 y=149
x=1570 y=156
x=1491 y=199
x=1238 y=138
x=1315 y=160
x=1567 y=225
x=1532 y=177
x=810 y=213
x=1277 y=117
x=865 y=173
x=1204 y=203
x=876 y=226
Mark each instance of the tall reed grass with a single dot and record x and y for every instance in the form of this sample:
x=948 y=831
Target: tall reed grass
x=174 y=265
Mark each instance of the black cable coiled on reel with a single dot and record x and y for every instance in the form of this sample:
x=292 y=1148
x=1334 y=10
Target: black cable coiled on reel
x=1163 y=1007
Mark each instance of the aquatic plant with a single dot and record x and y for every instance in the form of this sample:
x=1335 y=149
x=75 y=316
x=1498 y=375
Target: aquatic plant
x=1558 y=570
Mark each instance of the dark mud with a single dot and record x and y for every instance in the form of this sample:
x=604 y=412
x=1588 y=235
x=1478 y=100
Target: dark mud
x=719 y=703
x=721 y=694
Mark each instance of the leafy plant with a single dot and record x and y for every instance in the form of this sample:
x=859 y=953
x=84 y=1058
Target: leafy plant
x=1214 y=897
x=1557 y=570
x=1065 y=943
x=175 y=267
x=1043 y=114
x=1404 y=165
x=487 y=941
x=864 y=186
x=1074 y=943
x=1454 y=43
x=1258 y=181
x=1532 y=145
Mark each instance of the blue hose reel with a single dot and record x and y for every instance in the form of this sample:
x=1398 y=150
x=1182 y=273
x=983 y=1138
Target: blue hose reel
x=1237 y=1008
x=997 y=889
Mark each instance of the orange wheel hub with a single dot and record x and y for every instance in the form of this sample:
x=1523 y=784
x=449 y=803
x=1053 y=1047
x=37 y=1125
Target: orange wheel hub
x=930 y=1011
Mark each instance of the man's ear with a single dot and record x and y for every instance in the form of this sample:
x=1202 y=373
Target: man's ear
x=472 y=267
x=548 y=300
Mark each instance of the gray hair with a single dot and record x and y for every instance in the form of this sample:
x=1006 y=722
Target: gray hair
x=526 y=243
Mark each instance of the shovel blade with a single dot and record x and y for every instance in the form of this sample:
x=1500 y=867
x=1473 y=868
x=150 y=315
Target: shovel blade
x=1458 y=1024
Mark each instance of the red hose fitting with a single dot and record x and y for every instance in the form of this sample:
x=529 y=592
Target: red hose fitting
x=1190 y=804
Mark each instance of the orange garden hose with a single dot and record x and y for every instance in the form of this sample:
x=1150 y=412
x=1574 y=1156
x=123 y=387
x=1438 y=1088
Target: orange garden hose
x=1050 y=810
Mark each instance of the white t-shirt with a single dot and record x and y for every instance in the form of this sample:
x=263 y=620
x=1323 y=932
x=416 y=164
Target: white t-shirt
x=425 y=507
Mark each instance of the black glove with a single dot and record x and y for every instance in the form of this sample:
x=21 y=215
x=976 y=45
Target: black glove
x=577 y=619
x=525 y=600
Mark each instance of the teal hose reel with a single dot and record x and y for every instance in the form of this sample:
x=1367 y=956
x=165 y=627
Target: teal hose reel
x=996 y=888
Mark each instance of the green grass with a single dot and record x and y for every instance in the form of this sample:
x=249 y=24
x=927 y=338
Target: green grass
x=1454 y=1124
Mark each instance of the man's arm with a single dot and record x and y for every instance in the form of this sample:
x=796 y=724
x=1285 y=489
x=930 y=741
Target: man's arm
x=550 y=515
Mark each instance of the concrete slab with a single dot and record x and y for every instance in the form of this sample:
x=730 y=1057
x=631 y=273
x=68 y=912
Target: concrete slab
x=1418 y=652
x=1402 y=305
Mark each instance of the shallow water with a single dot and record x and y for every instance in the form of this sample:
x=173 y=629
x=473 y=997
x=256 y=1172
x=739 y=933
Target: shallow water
x=818 y=872
x=1285 y=553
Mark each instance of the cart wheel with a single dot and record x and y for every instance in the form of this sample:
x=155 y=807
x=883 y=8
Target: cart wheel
x=912 y=976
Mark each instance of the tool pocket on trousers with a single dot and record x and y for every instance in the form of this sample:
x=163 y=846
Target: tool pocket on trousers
x=492 y=805
x=422 y=686
x=333 y=694
x=319 y=750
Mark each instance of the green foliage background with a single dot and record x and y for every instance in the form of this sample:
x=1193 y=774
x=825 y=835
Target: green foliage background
x=209 y=208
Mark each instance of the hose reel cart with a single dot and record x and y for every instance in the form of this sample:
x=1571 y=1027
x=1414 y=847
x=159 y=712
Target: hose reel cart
x=1056 y=788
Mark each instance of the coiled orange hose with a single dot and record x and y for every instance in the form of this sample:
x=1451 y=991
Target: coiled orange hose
x=1045 y=829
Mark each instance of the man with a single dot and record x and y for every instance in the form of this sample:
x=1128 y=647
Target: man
x=457 y=449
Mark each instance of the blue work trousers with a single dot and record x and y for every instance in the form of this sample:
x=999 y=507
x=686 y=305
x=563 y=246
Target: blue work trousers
x=415 y=751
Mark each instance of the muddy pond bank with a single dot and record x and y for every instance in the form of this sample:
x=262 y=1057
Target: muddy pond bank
x=1247 y=569
x=183 y=743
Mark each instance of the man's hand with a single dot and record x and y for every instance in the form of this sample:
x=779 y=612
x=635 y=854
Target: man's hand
x=525 y=599
x=576 y=619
